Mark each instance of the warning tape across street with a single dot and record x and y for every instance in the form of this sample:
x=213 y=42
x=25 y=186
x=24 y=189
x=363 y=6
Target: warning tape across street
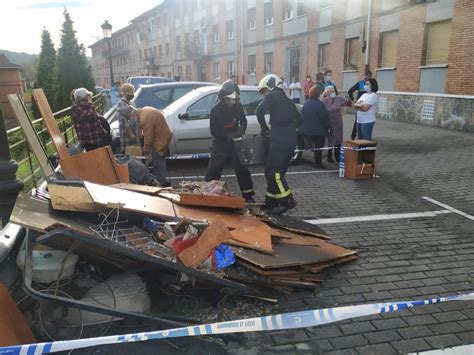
x=293 y=320
x=208 y=155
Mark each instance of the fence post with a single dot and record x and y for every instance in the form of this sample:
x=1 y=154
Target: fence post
x=10 y=186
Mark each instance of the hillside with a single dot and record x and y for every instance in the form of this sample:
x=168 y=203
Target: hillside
x=27 y=61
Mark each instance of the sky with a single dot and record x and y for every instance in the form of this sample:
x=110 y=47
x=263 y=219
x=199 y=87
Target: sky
x=22 y=21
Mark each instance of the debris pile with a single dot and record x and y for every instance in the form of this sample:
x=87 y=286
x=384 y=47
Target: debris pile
x=198 y=232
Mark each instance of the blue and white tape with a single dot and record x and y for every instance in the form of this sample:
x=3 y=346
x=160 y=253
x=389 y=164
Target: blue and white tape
x=293 y=320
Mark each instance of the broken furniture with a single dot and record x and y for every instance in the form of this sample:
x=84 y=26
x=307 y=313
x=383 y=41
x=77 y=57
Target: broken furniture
x=359 y=159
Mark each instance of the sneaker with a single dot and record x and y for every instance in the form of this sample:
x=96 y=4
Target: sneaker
x=165 y=184
x=283 y=208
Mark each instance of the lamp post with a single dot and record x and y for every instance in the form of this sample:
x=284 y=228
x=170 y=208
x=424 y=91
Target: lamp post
x=9 y=185
x=107 y=31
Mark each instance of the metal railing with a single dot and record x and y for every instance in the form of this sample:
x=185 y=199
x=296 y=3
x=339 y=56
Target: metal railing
x=28 y=169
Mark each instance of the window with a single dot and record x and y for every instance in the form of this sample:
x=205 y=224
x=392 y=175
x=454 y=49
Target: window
x=215 y=31
x=140 y=54
x=146 y=53
x=268 y=10
x=230 y=68
x=169 y=74
x=167 y=49
x=250 y=100
x=186 y=38
x=230 y=29
x=252 y=64
x=197 y=38
x=268 y=57
x=217 y=70
x=163 y=96
x=160 y=50
x=252 y=18
x=178 y=43
x=181 y=91
x=288 y=10
x=165 y=19
x=389 y=49
x=437 y=42
x=351 y=53
x=188 y=72
x=323 y=56
x=158 y=21
x=201 y=109
x=180 y=71
x=301 y=7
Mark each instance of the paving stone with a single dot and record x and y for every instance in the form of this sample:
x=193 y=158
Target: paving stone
x=420 y=320
x=324 y=332
x=350 y=341
x=355 y=328
x=411 y=345
x=290 y=337
x=449 y=316
x=378 y=349
x=443 y=341
x=389 y=323
x=383 y=336
x=446 y=328
x=466 y=337
x=415 y=332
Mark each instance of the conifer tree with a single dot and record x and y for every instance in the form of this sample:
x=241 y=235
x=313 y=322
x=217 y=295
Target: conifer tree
x=73 y=69
x=45 y=77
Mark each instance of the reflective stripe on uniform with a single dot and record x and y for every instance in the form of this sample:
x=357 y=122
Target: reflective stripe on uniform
x=247 y=191
x=283 y=193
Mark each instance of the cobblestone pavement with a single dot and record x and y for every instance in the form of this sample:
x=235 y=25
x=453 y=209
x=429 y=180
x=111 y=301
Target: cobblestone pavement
x=399 y=259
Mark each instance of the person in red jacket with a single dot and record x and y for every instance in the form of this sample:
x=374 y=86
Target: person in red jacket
x=307 y=87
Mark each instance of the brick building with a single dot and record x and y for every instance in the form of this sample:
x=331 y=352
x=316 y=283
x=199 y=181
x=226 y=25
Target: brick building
x=411 y=45
x=11 y=82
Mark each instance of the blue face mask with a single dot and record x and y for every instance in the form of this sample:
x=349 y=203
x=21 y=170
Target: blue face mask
x=367 y=88
x=332 y=95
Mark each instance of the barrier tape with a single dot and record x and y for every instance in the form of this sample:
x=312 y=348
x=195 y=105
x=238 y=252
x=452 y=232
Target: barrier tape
x=293 y=320
x=208 y=155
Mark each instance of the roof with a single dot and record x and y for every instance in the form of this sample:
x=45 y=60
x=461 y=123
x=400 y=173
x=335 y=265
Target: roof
x=8 y=65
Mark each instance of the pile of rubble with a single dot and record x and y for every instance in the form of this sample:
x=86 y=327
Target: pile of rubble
x=199 y=233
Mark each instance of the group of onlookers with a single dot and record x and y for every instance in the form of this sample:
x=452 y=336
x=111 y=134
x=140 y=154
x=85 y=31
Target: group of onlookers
x=322 y=113
x=145 y=129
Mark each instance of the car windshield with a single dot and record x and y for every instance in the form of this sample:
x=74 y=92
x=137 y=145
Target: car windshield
x=189 y=97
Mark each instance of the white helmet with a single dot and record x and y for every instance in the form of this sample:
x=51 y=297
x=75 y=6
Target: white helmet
x=270 y=82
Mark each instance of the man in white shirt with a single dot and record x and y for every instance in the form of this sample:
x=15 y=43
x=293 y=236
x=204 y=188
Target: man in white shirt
x=295 y=90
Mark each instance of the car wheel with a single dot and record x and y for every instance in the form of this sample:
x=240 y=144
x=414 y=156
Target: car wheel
x=298 y=154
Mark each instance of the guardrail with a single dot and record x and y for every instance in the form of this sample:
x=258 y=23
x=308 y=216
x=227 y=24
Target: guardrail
x=28 y=169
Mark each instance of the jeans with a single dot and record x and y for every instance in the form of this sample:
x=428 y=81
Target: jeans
x=364 y=130
x=159 y=166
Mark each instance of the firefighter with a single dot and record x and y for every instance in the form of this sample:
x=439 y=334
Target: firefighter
x=228 y=122
x=284 y=118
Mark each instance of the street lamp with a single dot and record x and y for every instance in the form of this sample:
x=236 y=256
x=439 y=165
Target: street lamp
x=107 y=31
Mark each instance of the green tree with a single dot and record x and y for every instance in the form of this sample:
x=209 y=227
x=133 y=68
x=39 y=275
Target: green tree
x=45 y=78
x=72 y=69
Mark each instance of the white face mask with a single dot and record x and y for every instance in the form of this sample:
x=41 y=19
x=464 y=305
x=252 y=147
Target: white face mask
x=367 y=88
x=332 y=95
x=328 y=77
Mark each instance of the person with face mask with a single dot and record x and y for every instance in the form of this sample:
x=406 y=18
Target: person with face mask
x=295 y=90
x=307 y=86
x=328 y=80
x=334 y=104
x=227 y=121
x=359 y=87
x=129 y=129
x=284 y=119
x=366 y=109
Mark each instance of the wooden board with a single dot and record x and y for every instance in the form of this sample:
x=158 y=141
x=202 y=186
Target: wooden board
x=291 y=238
x=211 y=201
x=258 y=237
x=214 y=235
x=295 y=225
x=71 y=198
x=30 y=212
x=293 y=255
x=14 y=330
x=21 y=114
x=50 y=123
x=248 y=246
x=96 y=166
x=131 y=201
x=315 y=268
x=271 y=272
x=144 y=189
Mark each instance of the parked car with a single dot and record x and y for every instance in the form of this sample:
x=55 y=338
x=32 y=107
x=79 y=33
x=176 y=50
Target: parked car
x=138 y=81
x=161 y=95
x=188 y=118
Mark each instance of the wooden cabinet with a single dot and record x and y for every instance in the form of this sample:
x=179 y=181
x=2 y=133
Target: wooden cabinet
x=359 y=159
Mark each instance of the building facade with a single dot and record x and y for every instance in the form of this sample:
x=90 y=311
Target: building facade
x=410 y=45
x=11 y=82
